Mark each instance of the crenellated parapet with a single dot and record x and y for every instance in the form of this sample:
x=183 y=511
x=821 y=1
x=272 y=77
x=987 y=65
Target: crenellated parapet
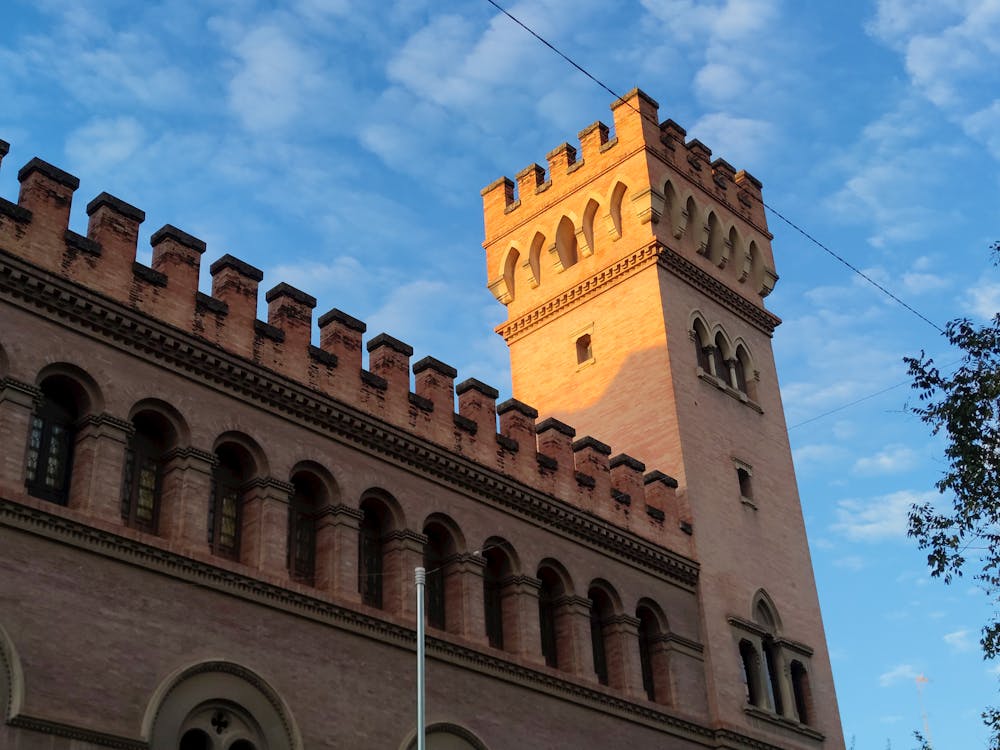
x=553 y=228
x=543 y=455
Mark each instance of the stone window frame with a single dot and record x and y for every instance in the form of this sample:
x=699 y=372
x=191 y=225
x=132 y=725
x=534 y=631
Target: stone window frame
x=575 y=337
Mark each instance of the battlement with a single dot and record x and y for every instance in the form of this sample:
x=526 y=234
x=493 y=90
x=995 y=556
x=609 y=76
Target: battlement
x=647 y=182
x=542 y=455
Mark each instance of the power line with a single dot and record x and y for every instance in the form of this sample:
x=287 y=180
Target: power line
x=790 y=223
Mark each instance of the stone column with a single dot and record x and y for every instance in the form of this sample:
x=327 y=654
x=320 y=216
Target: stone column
x=465 y=608
x=782 y=670
x=186 y=496
x=17 y=403
x=98 y=467
x=403 y=551
x=622 y=647
x=337 y=552
x=573 y=646
x=521 y=632
x=731 y=374
x=264 y=526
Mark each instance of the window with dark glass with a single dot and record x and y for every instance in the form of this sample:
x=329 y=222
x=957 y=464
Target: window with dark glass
x=549 y=592
x=648 y=631
x=745 y=482
x=436 y=553
x=225 y=514
x=741 y=375
x=370 y=554
x=303 y=507
x=143 y=481
x=599 y=612
x=773 y=676
x=496 y=570
x=51 y=436
x=719 y=360
x=702 y=351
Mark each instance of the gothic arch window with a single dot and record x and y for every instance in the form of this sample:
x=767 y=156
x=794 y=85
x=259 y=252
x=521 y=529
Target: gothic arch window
x=51 y=438
x=234 y=469
x=509 y=271
x=702 y=345
x=589 y=214
x=720 y=354
x=142 y=488
x=534 y=261
x=307 y=501
x=713 y=247
x=615 y=209
x=218 y=706
x=765 y=617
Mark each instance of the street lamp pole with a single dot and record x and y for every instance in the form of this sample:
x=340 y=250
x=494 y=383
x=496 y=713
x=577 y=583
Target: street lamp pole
x=420 y=577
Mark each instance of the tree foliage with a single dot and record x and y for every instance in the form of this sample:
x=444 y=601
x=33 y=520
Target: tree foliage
x=962 y=531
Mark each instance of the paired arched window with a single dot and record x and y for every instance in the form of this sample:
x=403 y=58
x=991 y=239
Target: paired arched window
x=750 y=661
x=142 y=487
x=51 y=438
x=600 y=611
x=801 y=692
x=550 y=594
x=234 y=468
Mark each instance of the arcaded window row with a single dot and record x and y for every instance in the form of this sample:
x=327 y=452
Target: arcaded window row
x=587 y=632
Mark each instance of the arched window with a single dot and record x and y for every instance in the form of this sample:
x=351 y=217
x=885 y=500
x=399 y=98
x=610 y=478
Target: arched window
x=235 y=466
x=649 y=631
x=801 y=691
x=719 y=355
x=142 y=487
x=497 y=570
x=549 y=594
x=773 y=675
x=744 y=373
x=196 y=739
x=702 y=346
x=600 y=611
x=750 y=661
x=438 y=556
x=371 y=551
x=51 y=437
x=308 y=498
x=566 y=242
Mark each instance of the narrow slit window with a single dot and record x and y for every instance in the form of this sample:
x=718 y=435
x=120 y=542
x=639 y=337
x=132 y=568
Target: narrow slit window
x=746 y=484
x=584 y=349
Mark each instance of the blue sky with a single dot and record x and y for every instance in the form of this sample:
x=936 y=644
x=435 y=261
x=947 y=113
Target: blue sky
x=340 y=146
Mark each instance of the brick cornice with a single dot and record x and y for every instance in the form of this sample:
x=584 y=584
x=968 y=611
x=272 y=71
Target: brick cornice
x=607 y=277
x=93 y=314
x=677 y=264
x=619 y=271
x=64 y=530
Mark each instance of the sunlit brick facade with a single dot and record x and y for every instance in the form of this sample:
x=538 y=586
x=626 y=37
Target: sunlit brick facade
x=209 y=526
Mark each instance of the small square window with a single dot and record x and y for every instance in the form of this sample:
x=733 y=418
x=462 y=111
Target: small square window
x=584 y=349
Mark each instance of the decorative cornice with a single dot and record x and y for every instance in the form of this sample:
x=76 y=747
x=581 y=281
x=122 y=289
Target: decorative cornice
x=36 y=521
x=78 y=734
x=684 y=269
x=607 y=277
x=29 y=287
x=784 y=723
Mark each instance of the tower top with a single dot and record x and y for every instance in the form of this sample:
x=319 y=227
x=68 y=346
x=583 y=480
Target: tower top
x=645 y=181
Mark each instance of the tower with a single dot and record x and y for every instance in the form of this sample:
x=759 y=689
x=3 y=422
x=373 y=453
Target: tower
x=634 y=279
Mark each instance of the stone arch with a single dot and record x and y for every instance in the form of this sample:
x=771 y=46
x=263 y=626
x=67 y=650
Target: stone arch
x=445 y=736
x=765 y=613
x=654 y=659
x=177 y=423
x=614 y=215
x=313 y=491
x=443 y=550
x=674 y=210
x=255 y=707
x=554 y=609
x=533 y=263
x=387 y=504
x=605 y=609
x=506 y=280
x=566 y=244
x=499 y=586
x=380 y=523
x=562 y=575
x=662 y=622
x=702 y=340
x=732 y=247
x=722 y=352
x=746 y=375
x=261 y=467
x=322 y=474
x=86 y=392
x=753 y=267
x=712 y=244
x=240 y=465
x=11 y=678
x=590 y=212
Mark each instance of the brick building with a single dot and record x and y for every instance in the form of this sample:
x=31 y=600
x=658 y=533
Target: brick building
x=209 y=526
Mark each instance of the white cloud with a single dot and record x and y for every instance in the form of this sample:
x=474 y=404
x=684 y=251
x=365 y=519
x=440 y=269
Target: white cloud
x=875 y=519
x=853 y=563
x=983 y=299
x=959 y=640
x=916 y=282
x=742 y=139
x=899 y=673
x=818 y=453
x=891 y=460
x=104 y=143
